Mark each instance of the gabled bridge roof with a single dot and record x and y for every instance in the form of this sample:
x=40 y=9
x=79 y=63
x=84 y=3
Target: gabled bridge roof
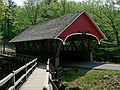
x=62 y=28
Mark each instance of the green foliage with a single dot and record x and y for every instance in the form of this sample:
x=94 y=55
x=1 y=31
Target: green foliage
x=86 y=79
x=107 y=16
x=7 y=15
x=111 y=54
x=70 y=74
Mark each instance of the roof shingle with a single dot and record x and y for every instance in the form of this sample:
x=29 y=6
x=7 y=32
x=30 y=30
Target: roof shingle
x=46 y=30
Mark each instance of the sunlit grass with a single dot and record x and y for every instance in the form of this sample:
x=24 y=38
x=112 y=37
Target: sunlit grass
x=86 y=79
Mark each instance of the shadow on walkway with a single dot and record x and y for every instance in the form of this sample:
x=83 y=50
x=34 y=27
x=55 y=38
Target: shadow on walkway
x=41 y=66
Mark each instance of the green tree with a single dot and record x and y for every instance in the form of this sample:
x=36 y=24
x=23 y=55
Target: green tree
x=2 y=6
x=7 y=19
x=32 y=10
x=108 y=13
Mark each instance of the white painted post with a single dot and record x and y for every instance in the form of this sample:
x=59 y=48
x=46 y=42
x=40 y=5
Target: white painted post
x=48 y=61
x=31 y=66
x=14 y=79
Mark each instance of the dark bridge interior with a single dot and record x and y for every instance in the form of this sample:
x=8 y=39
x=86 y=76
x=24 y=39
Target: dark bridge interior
x=77 y=48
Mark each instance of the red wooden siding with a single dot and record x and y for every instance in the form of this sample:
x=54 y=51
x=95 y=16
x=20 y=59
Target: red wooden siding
x=83 y=24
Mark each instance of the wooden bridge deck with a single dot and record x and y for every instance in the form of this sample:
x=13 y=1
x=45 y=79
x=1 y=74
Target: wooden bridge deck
x=36 y=79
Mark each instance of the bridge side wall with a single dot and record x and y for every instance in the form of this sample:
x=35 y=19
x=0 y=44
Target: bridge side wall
x=75 y=49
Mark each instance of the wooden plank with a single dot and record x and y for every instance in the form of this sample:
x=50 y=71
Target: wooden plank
x=36 y=80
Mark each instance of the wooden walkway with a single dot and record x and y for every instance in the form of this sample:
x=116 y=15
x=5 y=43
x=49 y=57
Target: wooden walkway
x=36 y=79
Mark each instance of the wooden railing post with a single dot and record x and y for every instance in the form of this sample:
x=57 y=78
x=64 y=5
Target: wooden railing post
x=32 y=65
x=14 y=79
x=26 y=72
x=14 y=73
x=48 y=61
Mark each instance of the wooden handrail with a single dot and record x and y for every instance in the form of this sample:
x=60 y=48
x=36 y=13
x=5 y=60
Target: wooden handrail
x=46 y=83
x=6 y=79
x=11 y=75
x=48 y=79
x=31 y=62
x=53 y=84
x=20 y=69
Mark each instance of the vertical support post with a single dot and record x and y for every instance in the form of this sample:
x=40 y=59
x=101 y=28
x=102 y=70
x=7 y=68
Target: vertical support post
x=32 y=65
x=14 y=79
x=54 y=49
x=49 y=66
x=48 y=46
x=48 y=62
x=91 y=56
x=26 y=71
x=57 y=56
x=57 y=62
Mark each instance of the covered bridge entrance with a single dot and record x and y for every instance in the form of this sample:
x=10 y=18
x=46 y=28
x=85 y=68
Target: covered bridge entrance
x=70 y=37
x=78 y=48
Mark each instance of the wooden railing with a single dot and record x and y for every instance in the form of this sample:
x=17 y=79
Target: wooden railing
x=33 y=64
x=49 y=82
x=46 y=83
x=8 y=54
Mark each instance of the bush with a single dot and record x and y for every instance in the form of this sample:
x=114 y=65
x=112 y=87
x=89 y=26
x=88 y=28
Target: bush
x=107 y=54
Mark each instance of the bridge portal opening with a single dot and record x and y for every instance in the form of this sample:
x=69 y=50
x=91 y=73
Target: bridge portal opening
x=78 y=48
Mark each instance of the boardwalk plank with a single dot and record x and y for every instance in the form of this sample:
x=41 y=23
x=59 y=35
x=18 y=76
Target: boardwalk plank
x=36 y=80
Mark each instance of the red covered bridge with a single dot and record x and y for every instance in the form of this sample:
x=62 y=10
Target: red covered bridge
x=69 y=38
x=82 y=24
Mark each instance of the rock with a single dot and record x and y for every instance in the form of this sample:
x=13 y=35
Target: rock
x=106 y=76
